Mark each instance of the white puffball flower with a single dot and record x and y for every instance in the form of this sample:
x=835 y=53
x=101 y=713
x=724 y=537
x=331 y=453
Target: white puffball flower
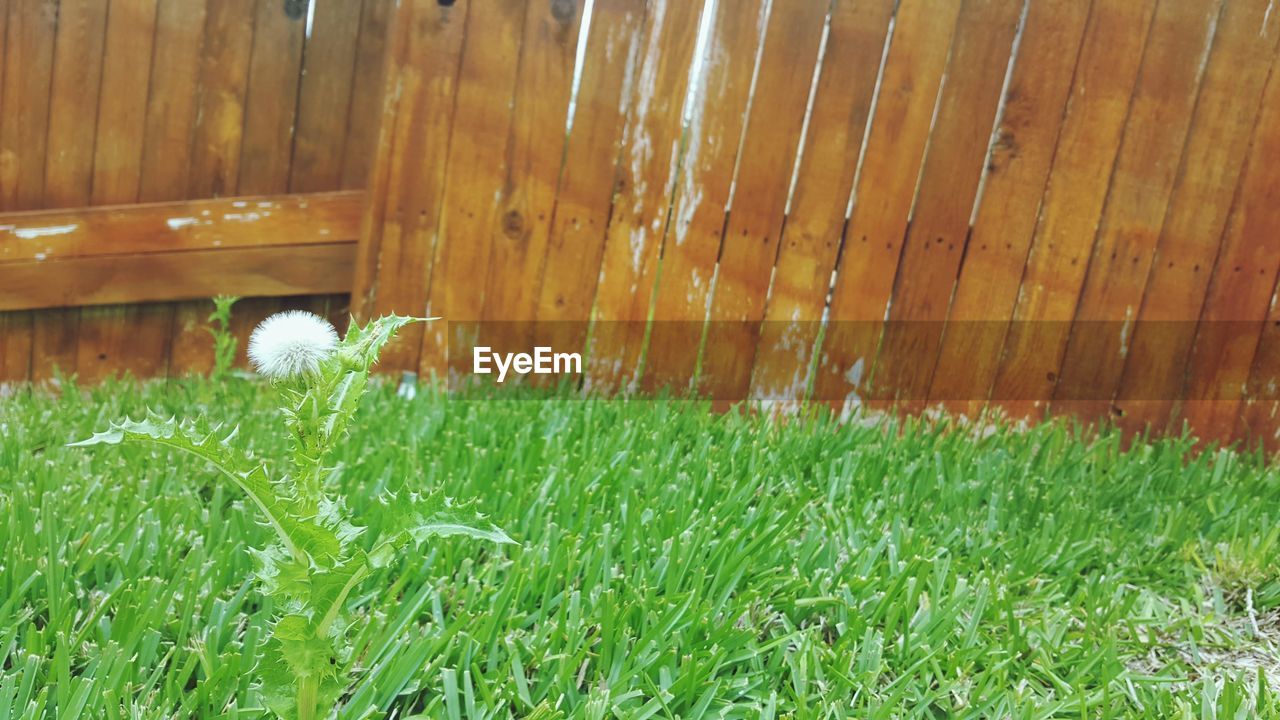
x=291 y=343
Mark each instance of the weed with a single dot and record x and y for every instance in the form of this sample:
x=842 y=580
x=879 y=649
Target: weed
x=315 y=561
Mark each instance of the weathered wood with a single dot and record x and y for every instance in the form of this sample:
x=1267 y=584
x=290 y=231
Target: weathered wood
x=122 y=107
x=173 y=101
x=1241 y=290
x=123 y=339
x=949 y=180
x=224 y=79
x=890 y=170
x=407 y=194
x=366 y=94
x=535 y=159
x=987 y=284
x=566 y=281
x=270 y=103
x=691 y=250
x=815 y=224
x=324 y=101
x=1259 y=422
x=244 y=271
x=172 y=107
x=183 y=225
x=650 y=154
x=24 y=128
x=1072 y=207
x=478 y=169
x=752 y=233
x=576 y=244
x=1226 y=113
x=73 y=106
x=1141 y=187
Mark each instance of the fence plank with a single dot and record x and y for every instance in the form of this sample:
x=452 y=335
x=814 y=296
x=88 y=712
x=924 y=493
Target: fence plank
x=173 y=101
x=373 y=223
x=133 y=339
x=28 y=69
x=576 y=243
x=642 y=200
x=1017 y=169
x=815 y=226
x=525 y=209
x=478 y=169
x=692 y=247
x=272 y=110
x=1072 y=207
x=249 y=271
x=122 y=109
x=325 y=99
x=895 y=147
x=1226 y=113
x=217 y=142
x=73 y=102
x=568 y=276
x=939 y=230
x=1150 y=154
x=77 y=79
x=1241 y=289
x=754 y=228
x=414 y=146
x=366 y=94
x=270 y=100
x=224 y=76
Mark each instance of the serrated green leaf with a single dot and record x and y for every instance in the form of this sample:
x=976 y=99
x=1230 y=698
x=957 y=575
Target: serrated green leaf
x=412 y=518
x=362 y=345
x=303 y=539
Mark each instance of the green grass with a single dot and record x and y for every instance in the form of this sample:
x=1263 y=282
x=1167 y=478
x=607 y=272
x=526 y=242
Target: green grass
x=673 y=563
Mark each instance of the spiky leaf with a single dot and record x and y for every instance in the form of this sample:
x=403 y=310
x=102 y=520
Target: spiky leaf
x=302 y=538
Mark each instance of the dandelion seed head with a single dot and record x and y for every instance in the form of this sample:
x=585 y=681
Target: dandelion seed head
x=291 y=343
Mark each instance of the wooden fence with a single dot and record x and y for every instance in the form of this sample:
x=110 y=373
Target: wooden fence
x=170 y=103
x=1050 y=205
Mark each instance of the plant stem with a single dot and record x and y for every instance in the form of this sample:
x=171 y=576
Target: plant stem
x=308 y=690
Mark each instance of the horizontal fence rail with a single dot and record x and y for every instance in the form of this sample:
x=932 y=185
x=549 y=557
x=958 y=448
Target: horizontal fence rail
x=252 y=246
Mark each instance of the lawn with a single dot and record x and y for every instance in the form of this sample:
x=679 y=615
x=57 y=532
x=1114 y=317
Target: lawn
x=671 y=563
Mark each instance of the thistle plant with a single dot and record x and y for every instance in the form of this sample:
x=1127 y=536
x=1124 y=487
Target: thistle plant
x=318 y=555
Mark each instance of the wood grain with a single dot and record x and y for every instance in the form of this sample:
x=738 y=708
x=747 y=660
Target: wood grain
x=642 y=197
x=1083 y=166
x=910 y=84
x=1141 y=188
x=575 y=246
x=324 y=101
x=691 y=250
x=1221 y=127
x=73 y=106
x=953 y=167
x=183 y=225
x=527 y=204
x=252 y=271
x=763 y=184
x=27 y=78
x=815 y=225
x=1018 y=166
x=1242 y=289
x=123 y=339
